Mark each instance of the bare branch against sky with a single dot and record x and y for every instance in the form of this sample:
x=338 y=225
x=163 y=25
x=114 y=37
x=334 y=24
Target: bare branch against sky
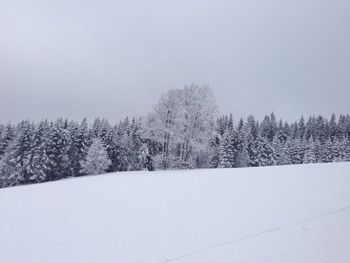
x=114 y=58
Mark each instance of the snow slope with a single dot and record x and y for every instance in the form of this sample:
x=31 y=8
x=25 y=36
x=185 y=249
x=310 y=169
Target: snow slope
x=294 y=214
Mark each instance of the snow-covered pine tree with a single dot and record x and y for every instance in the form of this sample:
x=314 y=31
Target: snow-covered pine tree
x=134 y=143
x=327 y=151
x=277 y=146
x=321 y=130
x=318 y=150
x=145 y=158
x=345 y=149
x=296 y=151
x=284 y=155
x=266 y=128
x=301 y=128
x=240 y=125
x=343 y=126
x=214 y=145
x=281 y=135
x=267 y=152
x=116 y=144
x=97 y=161
x=309 y=129
x=231 y=144
x=252 y=127
x=253 y=150
x=242 y=157
x=58 y=152
x=336 y=150
x=81 y=139
x=273 y=129
x=38 y=157
x=226 y=155
x=310 y=152
x=16 y=166
x=6 y=139
x=333 y=129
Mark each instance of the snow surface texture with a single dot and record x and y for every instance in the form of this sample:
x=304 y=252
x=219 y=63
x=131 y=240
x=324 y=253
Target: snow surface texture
x=297 y=213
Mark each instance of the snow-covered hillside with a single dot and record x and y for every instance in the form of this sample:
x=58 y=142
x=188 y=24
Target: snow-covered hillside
x=279 y=214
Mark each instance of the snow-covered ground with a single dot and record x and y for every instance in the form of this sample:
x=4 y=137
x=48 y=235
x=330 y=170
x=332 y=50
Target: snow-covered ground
x=284 y=214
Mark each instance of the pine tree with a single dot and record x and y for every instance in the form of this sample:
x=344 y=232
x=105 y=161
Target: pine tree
x=81 y=139
x=268 y=155
x=310 y=152
x=273 y=129
x=342 y=126
x=277 y=146
x=16 y=166
x=252 y=151
x=268 y=127
x=327 y=152
x=345 y=149
x=145 y=158
x=301 y=128
x=116 y=144
x=296 y=152
x=59 y=145
x=214 y=145
x=318 y=150
x=226 y=155
x=97 y=161
x=284 y=155
x=7 y=138
x=333 y=129
x=242 y=156
x=240 y=124
x=38 y=155
x=261 y=152
x=231 y=144
x=336 y=150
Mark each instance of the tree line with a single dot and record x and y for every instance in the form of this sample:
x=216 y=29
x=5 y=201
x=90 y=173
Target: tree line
x=182 y=132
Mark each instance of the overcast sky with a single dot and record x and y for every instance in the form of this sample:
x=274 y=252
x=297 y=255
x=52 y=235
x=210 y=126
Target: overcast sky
x=79 y=58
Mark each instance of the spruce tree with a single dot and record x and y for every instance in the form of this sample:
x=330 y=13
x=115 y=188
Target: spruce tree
x=7 y=138
x=277 y=146
x=284 y=155
x=58 y=152
x=38 y=155
x=242 y=156
x=296 y=152
x=226 y=155
x=16 y=165
x=214 y=144
x=145 y=158
x=254 y=154
x=79 y=146
x=97 y=161
x=301 y=128
x=336 y=150
x=267 y=152
x=333 y=128
x=346 y=145
x=327 y=151
x=310 y=152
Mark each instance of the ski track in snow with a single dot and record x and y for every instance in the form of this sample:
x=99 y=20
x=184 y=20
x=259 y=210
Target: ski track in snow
x=228 y=243
x=223 y=244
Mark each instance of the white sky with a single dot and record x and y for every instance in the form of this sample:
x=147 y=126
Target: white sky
x=114 y=58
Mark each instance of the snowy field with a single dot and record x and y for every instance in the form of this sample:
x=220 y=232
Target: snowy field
x=280 y=214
